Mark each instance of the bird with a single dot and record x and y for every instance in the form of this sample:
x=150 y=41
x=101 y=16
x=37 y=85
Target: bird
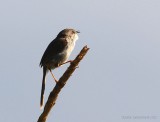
x=57 y=54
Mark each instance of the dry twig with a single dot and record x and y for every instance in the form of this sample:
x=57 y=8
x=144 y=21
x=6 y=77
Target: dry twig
x=62 y=81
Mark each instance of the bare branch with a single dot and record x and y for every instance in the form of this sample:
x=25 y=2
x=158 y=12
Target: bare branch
x=62 y=81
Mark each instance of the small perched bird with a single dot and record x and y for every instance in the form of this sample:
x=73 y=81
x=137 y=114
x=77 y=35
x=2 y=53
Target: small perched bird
x=57 y=53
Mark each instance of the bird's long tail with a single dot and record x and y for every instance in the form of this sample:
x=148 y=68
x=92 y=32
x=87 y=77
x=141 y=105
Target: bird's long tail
x=43 y=87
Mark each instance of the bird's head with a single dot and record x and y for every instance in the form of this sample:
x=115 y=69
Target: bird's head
x=70 y=34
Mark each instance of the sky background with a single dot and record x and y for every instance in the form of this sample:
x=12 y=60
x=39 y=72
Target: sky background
x=118 y=80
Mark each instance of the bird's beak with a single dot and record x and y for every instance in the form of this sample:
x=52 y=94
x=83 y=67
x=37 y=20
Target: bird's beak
x=78 y=31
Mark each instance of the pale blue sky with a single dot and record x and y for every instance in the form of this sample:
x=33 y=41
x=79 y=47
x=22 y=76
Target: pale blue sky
x=119 y=77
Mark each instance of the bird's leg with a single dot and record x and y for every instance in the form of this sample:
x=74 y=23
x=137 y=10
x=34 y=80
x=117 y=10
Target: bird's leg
x=53 y=76
x=70 y=61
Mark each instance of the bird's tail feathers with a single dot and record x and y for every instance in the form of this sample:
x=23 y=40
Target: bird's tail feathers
x=43 y=88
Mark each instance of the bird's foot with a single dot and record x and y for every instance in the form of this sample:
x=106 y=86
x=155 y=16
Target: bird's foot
x=70 y=61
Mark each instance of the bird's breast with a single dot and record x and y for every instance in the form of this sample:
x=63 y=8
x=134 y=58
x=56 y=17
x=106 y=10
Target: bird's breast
x=64 y=55
x=69 y=48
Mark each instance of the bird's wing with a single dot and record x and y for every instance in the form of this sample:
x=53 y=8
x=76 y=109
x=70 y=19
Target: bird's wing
x=56 y=46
